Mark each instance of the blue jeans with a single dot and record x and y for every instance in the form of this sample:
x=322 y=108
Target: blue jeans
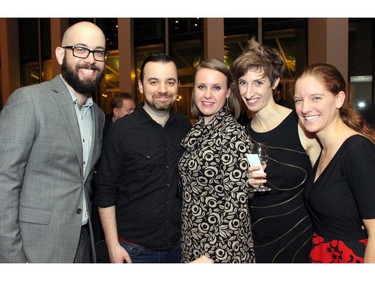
x=140 y=254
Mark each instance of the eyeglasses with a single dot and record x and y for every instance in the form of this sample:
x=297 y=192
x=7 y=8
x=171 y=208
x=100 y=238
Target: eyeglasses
x=82 y=53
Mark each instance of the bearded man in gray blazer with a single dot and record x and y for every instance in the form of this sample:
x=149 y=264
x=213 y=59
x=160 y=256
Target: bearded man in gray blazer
x=50 y=141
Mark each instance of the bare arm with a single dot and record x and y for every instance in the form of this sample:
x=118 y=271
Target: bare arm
x=370 y=248
x=310 y=143
x=117 y=254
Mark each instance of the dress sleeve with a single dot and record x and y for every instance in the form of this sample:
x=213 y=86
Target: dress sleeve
x=360 y=167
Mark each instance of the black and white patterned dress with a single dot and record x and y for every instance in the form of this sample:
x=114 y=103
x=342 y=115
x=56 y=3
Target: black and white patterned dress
x=215 y=212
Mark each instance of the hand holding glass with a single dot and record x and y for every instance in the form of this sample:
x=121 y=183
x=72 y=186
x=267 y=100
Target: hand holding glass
x=258 y=157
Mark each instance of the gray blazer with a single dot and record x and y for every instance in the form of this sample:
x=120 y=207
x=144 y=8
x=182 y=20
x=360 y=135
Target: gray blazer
x=41 y=179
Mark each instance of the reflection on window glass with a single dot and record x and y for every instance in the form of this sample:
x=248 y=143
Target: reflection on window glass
x=110 y=85
x=183 y=26
x=111 y=76
x=30 y=31
x=237 y=32
x=234 y=46
x=29 y=73
x=361 y=65
x=28 y=39
x=110 y=29
x=187 y=54
x=149 y=37
x=149 y=31
x=45 y=29
x=292 y=45
x=186 y=47
x=284 y=42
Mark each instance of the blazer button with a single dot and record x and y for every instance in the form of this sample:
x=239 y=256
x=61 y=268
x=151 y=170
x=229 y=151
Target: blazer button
x=79 y=211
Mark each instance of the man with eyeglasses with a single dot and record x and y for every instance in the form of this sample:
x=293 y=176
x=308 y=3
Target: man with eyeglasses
x=50 y=141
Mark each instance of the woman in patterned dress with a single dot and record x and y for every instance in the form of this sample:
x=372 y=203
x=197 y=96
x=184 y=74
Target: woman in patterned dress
x=340 y=192
x=215 y=214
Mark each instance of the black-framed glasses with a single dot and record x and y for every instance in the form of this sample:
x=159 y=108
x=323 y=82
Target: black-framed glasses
x=82 y=53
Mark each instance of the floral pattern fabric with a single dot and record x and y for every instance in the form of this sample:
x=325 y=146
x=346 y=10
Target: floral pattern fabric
x=337 y=251
x=215 y=212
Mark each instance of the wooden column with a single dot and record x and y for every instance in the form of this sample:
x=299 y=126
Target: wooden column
x=329 y=42
x=214 y=38
x=9 y=58
x=127 y=69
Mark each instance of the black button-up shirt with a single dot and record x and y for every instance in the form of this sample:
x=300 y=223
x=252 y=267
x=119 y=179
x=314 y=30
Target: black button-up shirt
x=138 y=173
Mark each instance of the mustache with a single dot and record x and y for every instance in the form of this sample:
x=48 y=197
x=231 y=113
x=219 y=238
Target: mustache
x=166 y=94
x=87 y=66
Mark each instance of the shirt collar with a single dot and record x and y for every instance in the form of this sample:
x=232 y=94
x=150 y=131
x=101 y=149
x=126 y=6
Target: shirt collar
x=89 y=101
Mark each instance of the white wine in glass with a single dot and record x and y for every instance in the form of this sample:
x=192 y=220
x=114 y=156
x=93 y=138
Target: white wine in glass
x=260 y=149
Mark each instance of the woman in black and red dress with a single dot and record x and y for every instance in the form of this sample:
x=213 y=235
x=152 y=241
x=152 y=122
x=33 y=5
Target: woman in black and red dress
x=340 y=191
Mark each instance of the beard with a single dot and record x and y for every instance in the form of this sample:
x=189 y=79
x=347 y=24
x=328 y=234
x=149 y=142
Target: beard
x=84 y=87
x=160 y=106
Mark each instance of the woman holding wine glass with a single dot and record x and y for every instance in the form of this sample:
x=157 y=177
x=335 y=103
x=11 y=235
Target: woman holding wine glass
x=340 y=192
x=260 y=151
x=281 y=227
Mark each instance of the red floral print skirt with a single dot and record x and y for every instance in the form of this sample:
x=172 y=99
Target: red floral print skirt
x=326 y=250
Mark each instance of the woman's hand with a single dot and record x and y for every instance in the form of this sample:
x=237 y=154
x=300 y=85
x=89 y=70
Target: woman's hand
x=256 y=179
x=203 y=259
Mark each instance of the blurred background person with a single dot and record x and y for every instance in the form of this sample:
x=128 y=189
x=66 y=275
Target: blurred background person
x=340 y=191
x=121 y=104
x=213 y=169
x=280 y=98
x=281 y=227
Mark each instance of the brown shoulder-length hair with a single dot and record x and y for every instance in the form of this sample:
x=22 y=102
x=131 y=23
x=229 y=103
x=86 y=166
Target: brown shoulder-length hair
x=218 y=65
x=334 y=83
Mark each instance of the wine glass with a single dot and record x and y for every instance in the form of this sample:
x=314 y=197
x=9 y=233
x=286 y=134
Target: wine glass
x=261 y=150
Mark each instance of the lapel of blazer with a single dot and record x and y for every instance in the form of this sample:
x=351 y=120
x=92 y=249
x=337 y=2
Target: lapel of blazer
x=65 y=103
x=95 y=124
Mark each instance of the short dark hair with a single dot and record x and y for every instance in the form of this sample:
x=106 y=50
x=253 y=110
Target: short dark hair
x=156 y=57
x=116 y=101
x=260 y=58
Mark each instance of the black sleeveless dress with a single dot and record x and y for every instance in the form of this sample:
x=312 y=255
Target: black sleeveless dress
x=281 y=227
